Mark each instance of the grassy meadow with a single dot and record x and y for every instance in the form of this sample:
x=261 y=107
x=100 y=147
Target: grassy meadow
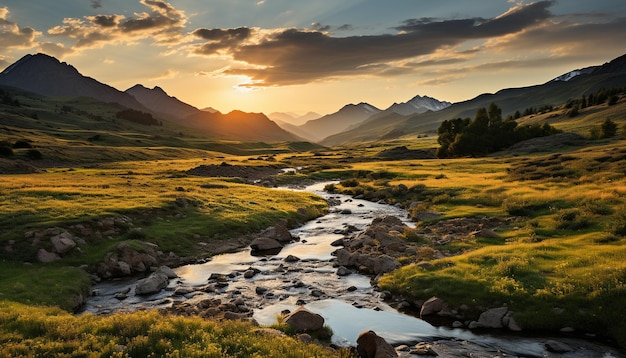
x=561 y=262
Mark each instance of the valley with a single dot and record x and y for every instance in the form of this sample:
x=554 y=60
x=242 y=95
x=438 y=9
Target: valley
x=90 y=197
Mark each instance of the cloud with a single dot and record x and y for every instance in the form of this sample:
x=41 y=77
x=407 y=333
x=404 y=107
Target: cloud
x=162 y=23
x=96 y=4
x=168 y=74
x=13 y=36
x=294 y=56
x=54 y=49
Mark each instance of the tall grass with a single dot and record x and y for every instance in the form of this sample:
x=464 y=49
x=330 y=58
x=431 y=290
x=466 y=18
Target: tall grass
x=28 y=331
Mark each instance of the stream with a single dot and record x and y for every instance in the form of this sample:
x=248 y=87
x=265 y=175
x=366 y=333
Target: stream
x=349 y=304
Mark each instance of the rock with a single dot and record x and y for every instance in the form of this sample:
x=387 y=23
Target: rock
x=249 y=273
x=63 y=242
x=493 y=318
x=168 y=272
x=567 y=330
x=346 y=211
x=261 y=290
x=431 y=306
x=291 y=258
x=151 y=284
x=303 y=320
x=509 y=322
x=338 y=242
x=381 y=264
x=423 y=349
x=279 y=233
x=457 y=324
x=486 y=233
x=317 y=293
x=557 y=347
x=371 y=345
x=47 y=257
x=265 y=244
x=343 y=271
x=352 y=289
x=121 y=296
x=181 y=291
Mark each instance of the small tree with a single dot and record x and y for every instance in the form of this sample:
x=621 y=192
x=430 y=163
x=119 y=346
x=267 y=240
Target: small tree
x=608 y=129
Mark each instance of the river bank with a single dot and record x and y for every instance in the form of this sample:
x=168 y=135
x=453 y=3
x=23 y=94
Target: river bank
x=308 y=273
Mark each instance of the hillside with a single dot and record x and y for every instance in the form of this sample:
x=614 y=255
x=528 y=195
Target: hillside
x=47 y=76
x=612 y=74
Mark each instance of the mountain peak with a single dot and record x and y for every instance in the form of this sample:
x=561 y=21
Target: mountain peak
x=46 y=75
x=159 y=101
x=418 y=104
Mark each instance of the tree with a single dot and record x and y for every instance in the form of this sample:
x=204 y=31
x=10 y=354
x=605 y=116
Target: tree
x=608 y=129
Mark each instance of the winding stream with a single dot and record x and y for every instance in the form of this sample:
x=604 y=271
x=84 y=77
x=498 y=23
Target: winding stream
x=349 y=304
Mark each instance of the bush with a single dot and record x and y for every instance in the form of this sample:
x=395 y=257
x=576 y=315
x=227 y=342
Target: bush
x=5 y=150
x=34 y=154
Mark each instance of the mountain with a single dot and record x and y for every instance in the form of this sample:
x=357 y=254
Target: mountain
x=238 y=125
x=347 y=117
x=160 y=102
x=388 y=126
x=45 y=75
x=209 y=109
x=418 y=104
x=292 y=118
x=581 y=71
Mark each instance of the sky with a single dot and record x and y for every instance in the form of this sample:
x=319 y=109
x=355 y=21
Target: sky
x=300 y=55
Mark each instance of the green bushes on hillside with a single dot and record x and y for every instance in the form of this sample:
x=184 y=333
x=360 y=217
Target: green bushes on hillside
x=487 y=133
x=138 y=117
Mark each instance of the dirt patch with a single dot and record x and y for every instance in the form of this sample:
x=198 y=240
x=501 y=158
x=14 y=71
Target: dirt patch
x=225 y=170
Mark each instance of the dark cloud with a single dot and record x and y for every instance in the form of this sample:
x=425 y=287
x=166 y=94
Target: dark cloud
x=163 y=23
x=96 y=4
x=345 y=27
x=105 y=20
x=295 y=56
x=221 y=38
x=319 y=27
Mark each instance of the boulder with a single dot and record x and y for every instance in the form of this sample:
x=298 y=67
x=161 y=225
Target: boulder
x=151 y=284
x=63 y=242
x=493 y=318
x=557 y=347
x=265 y=244
x=279 y=233
x=46 y=257
x=291 y=258
x=381 y=264
x=168 y=272
x=371 y=345
x=303 y=320
x=432 y=306
x=343 y=271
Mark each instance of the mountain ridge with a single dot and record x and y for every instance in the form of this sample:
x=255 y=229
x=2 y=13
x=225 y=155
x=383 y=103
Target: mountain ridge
x=47 y=76
x=159 y=101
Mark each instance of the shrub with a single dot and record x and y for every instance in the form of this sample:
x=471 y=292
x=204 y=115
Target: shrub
x=22 y=144
x=5 y=150
x=349 y=183
x=34 y=154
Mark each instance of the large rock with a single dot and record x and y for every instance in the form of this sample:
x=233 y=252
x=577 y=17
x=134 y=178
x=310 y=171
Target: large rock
x=46 y=256
x=279 y=233
x=265 y=244
x=151 y=284
x=371 y=345
x=493 y=318
x=303 y=320
x=381 y=264
x=432 y=306
x=63 y=242
x=557 y=347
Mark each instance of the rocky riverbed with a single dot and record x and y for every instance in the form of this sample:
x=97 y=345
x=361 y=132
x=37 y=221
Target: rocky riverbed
x=328 y=266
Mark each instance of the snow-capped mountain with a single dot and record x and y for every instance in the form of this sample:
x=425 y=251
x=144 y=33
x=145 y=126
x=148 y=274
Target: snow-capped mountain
x=568 y=76
x=417 y=105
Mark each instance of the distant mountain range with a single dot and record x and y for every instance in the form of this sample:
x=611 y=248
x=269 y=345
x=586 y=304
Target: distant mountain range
x=47 y=76
x=571 y=85
x=352 y=115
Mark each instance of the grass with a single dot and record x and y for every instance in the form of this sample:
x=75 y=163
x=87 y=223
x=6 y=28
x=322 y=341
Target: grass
x=27 y=331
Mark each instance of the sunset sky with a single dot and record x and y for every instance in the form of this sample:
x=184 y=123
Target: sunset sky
x=301 y=55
